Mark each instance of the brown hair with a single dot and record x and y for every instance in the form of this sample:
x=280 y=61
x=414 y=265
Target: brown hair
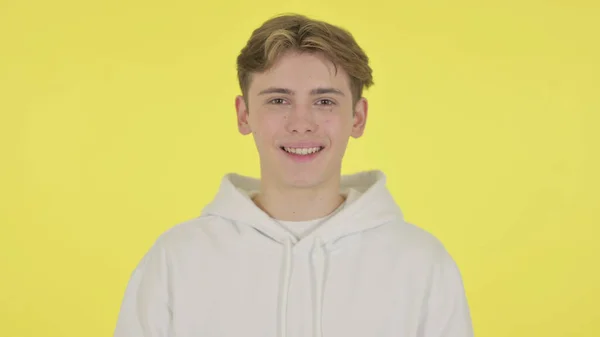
x=300 y=33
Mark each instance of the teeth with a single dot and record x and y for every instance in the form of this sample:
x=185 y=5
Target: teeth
x=302 y=151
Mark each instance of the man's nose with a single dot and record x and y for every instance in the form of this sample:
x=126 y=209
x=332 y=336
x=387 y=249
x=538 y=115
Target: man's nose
x=301 y=119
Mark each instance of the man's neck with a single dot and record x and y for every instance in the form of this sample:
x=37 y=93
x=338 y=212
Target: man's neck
x=294 y=204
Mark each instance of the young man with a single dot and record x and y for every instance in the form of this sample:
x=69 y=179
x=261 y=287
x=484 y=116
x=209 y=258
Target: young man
x=302 y=251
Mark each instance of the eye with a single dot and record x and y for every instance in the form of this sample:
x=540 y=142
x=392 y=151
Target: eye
x=277 y=101
x=325 y=101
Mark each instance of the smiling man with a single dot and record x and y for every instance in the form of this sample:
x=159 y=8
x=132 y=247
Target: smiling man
x=303 y=250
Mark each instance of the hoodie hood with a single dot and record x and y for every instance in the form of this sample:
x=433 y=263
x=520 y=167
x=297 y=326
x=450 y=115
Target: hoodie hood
x=372 y=207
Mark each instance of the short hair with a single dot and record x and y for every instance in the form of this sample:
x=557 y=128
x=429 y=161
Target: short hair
x=295 y=32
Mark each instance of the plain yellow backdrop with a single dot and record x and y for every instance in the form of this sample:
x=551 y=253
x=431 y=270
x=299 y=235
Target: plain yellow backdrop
x=117 y=122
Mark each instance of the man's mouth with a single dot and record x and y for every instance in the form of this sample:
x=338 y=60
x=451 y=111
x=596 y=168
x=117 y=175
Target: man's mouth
x=302 y=151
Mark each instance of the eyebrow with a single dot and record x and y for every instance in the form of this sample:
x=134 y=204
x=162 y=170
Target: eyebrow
x=317 y=91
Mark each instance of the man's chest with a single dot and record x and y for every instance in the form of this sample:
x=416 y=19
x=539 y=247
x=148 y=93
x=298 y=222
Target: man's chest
x=348 y=298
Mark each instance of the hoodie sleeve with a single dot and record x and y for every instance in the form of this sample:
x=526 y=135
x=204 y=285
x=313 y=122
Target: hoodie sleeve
x=144 y=310
x=447 y=312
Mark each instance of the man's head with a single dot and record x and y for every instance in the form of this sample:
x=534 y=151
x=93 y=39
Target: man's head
x=302 y=82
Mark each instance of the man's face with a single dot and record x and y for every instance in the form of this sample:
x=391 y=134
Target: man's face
x=301 y=115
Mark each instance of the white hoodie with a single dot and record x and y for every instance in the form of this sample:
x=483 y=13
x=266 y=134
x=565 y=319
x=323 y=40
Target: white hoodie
x=236 y=272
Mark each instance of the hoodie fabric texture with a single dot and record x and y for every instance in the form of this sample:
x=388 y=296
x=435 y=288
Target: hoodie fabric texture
x=234 y=271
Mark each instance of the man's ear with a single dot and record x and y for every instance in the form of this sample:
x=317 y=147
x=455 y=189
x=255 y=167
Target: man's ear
x=242 y=115
x=361 y=109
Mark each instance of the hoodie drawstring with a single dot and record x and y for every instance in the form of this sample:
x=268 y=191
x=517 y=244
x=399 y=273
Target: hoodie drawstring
x=284 y=287
x=318 y=264
x=318 y=267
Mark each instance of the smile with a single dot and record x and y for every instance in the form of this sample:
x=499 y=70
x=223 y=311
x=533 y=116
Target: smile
x=302 y=151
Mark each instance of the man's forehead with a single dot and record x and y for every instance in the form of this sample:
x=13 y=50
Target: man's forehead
x=300 y=82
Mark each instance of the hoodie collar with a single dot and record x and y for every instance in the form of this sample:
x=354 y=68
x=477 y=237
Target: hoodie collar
x=373 y=207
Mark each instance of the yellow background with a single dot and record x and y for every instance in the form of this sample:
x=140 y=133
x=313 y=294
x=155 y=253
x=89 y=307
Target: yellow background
x=117 y=122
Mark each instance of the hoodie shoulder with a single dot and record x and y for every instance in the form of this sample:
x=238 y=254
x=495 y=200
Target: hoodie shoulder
x=415 y=240
x=189 y=232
